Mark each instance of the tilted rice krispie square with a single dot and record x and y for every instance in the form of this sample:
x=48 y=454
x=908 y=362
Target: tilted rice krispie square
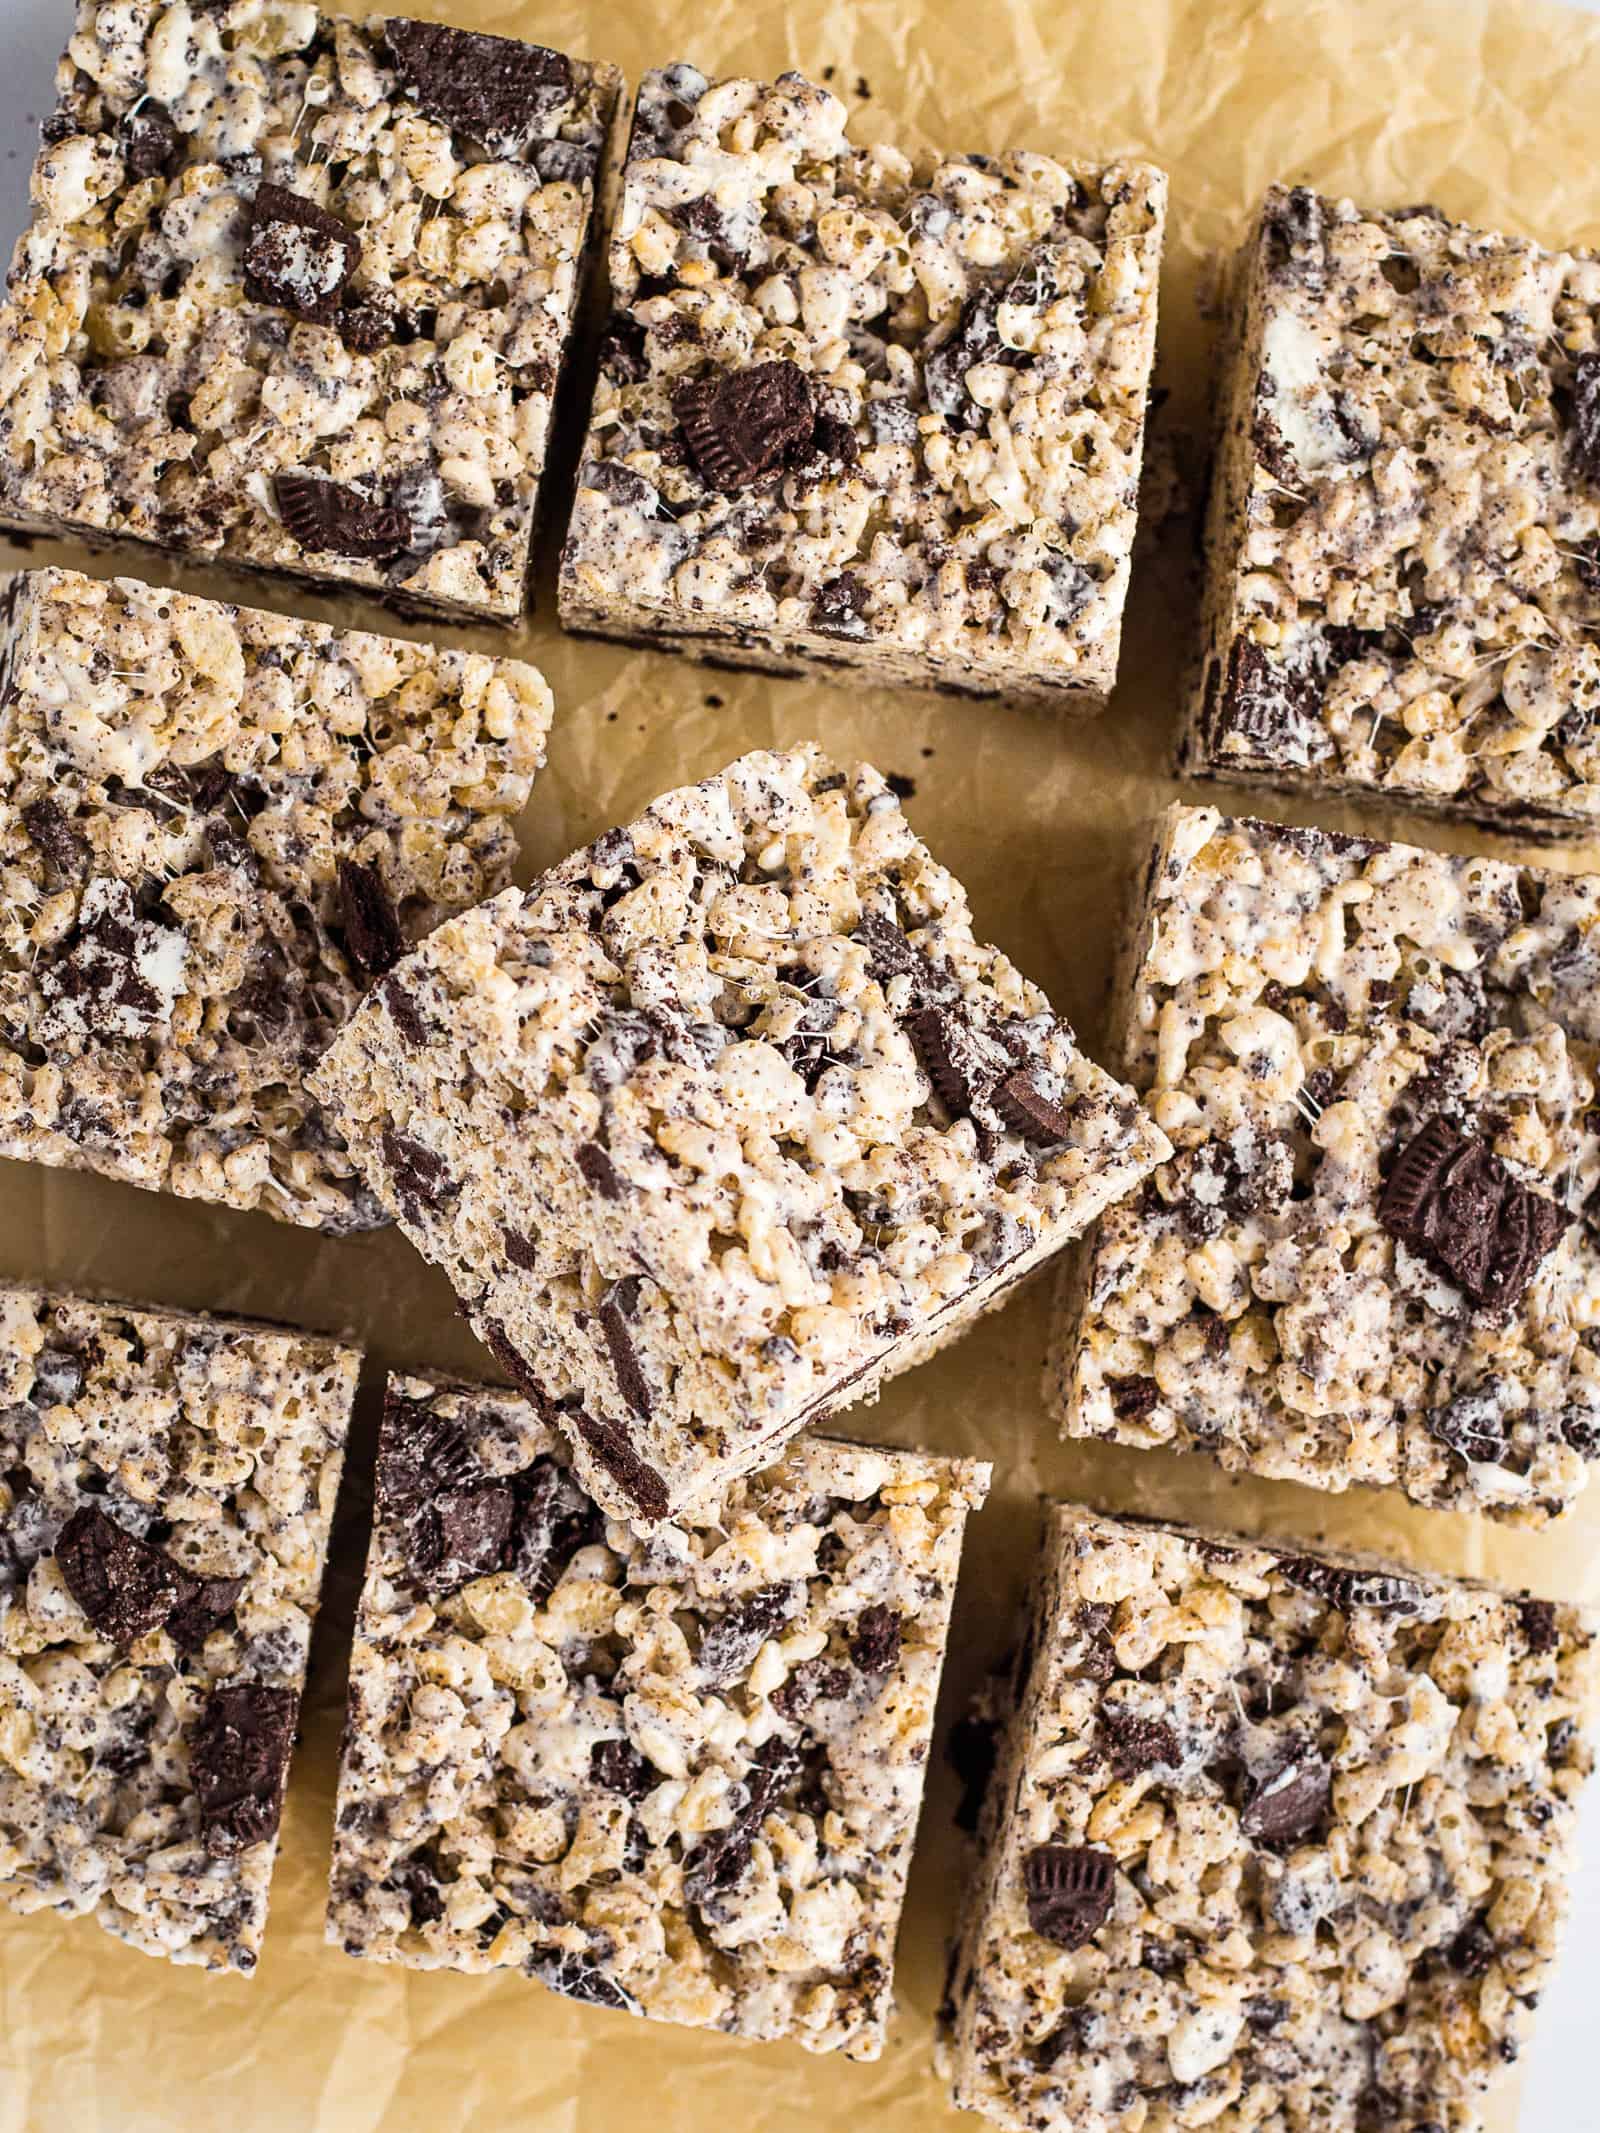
x=677 y=1776
x=1273 y=1841
x=167 y=1483
x=217 y=827
x=726 y=1120
x=297 y=293
x=867 y=409
x=1368 y=1260
x=1405 y=525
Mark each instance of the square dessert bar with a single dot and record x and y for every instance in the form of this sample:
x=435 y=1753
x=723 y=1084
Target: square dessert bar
x=1273 y=1840
x=167 y=1484
x=1368 y=1259
x=861 y=409
x=297 y=293
x=725 y=1121
x=677 y=1776
x=217 y=828
x=1405 y=526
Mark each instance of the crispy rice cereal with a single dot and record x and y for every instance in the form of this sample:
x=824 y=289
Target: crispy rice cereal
x=677 y=1776
x=167 y=1484
x=724 y=1121
x=1274 y=1841
x=864 y=409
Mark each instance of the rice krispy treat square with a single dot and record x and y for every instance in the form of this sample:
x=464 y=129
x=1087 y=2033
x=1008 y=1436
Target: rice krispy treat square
x=167 y=1485
x=1274 y=1840
x=724 y=1121
x=297 y=293
x=218 y=828
x=677 y=1777
x=1404 y=538
x=1369 y=1258
x=864 y=408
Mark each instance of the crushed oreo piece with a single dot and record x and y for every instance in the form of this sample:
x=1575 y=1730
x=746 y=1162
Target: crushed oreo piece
x=1133 y=1398
x=618 y=1307
x=1583 y=421
x=619 y=1767
x=1473 y=1949
x=239 y=1761
x=839 y=610
x=151 y=143
x=1070 y=1889
x=622 y=352
x=1473 y=1424
x=53 y=831
x=1134 y=1744
x=599 y=1171
x=204 y=1604
x=575 y=1979
x=1539 y=1625
x=1289 y=1801
x=553 y=1520
x=329 y=518
x=729 y=1647
x=419 y=1177
x=745 y=426
x=369 y=323
x=1450 y=1198
x=1385 y=1592
x=813 y=1681
x=1276 y=706
x=404 y=1012
x=718 y=1863
x=960 y=1063
x=371 y=924
x=520 y=1250
x=1027 y=1110
x=119 y=974
x=496 y=90
x=297 y=255
x=124 y=1586
x=975 y=339
x=875 y=1643
x=421 y=1452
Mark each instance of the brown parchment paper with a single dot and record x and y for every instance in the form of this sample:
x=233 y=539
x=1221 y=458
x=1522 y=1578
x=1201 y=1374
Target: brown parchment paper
x=1483 y=105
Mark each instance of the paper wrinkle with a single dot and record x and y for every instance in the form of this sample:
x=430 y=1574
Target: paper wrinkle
x=1481 y=105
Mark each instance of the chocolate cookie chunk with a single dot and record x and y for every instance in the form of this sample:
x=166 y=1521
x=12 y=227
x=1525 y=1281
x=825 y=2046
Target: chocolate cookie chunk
x=328 y=517
x=371 y=924
x=746 y=426
x=497 y=90
x=124 y=1586
x=239 y=1761
x=1450 y=1198
x=1070 y=1889
x=297 y=255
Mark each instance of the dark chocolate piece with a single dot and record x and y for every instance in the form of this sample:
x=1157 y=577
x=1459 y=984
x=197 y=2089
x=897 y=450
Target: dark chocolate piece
x=1027 y=1110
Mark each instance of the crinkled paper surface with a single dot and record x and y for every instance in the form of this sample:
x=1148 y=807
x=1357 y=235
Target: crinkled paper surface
x=1482 y=105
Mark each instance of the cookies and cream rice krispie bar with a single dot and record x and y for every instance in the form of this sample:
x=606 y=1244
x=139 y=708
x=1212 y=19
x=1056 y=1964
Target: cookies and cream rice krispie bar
x=167 y=1483
x=858 y=407
x=297 y=293
x=1404 y=540
x=1273 y=1840
x=217 y=828
x=677 y=1776
x=725 y=1120
x=1370 y=1258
